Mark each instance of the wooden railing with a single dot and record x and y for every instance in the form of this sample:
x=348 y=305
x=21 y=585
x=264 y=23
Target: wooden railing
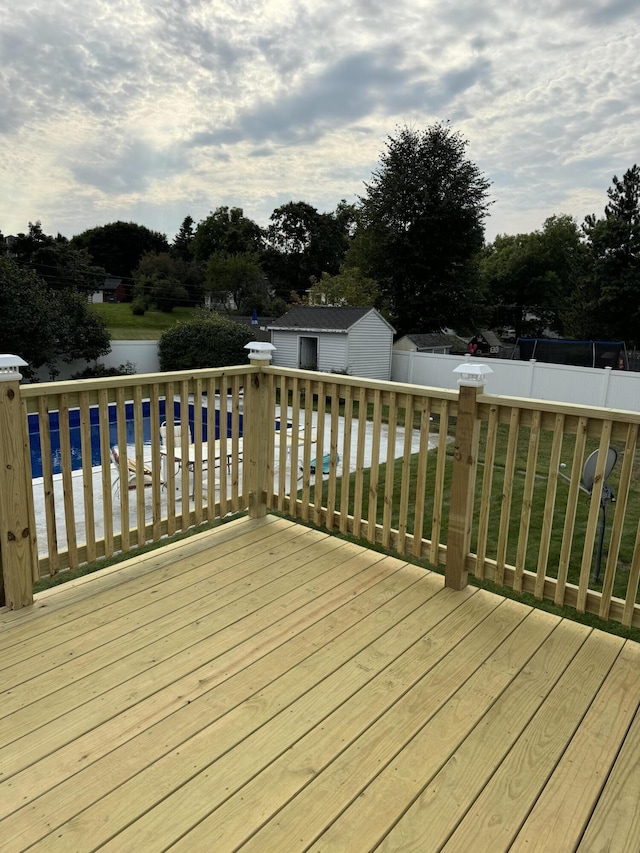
x=104 y=482
x=473 y=482
x=468 y=481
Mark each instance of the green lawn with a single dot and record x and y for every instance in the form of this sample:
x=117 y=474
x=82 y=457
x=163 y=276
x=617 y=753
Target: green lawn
x=126 y=326
x=496 y=503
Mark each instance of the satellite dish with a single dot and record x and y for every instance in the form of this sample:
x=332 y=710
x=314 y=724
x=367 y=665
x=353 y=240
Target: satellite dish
x=589 y=470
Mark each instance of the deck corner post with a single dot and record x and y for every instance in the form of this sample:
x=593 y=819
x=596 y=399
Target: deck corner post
x=256 y=429
x=18 y=556
x=465 y=460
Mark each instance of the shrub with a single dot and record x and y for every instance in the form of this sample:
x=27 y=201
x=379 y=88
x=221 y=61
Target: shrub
x=138 y=306
x=210 y=340
x=97 y=371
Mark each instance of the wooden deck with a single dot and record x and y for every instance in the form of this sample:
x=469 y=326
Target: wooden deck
x=269 y=687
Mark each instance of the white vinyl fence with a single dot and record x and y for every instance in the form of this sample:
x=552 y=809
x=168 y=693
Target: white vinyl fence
x=537 y=380
x=143 y=355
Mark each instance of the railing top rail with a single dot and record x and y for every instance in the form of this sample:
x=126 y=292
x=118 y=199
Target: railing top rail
x=363 y=382
x=75 y=386
x=555 y=407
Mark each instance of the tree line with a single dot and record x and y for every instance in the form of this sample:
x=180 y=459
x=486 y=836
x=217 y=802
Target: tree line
x=413 y=246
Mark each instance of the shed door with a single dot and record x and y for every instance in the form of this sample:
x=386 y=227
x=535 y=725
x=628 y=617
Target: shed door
x=308 y=359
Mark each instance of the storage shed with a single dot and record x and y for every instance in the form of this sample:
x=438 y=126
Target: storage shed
x=357 y=341
x=432 y=342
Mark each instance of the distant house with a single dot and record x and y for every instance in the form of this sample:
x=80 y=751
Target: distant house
x=432 y=342
x=113 y=290
x=357 y=341
x=259 y=325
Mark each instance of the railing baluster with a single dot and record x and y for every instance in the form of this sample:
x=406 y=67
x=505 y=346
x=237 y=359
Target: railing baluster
x=438 y=494
x=211 y=453
x=295 y=431
x=389 y=479
x=487 y=485
x=283 y=451
x=235 y=444
x=333 y=456
x=630 y=609
x=105 y=459
x=360 y=457
x=198 y=457
x=374 y=469
x=572 y=505
x=139 y=455
x=271 y=443
x=67 y=482
x=317 y=477
x=87 y=477
x=421 y=476
x=306 y=463
x=527 y=501
x=346 y=459
x=622 y=500
x=44 y=426
x=507 y=495
x=549 y=505
x=223 y=427
x=156 y=462
x=185 y=441
x=594 y=515
x=407 y=458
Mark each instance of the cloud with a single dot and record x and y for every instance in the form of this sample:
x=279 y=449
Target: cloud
x=345 y=92
x=115 y=108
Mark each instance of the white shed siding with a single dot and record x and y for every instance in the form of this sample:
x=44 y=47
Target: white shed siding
x=370 y=344
x=333 y=351
x=286 y=348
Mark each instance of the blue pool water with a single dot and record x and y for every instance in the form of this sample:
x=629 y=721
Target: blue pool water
x=96 y=459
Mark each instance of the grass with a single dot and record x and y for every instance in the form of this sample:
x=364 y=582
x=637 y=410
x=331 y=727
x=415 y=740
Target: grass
x=124 y=325
x=498 y=505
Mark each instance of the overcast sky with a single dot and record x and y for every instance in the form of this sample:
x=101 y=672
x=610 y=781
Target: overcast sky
x=151 y=111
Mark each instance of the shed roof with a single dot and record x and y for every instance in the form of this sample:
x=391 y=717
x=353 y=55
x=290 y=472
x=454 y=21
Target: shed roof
x=491 y=338
x=430 y=340
x=322 y=318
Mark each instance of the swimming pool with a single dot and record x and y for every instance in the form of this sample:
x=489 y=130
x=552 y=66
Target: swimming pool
x=96 y=458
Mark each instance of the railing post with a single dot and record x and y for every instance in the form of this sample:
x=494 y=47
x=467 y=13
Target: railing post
x=17 y=539
x=465 y=460
x=257 y=432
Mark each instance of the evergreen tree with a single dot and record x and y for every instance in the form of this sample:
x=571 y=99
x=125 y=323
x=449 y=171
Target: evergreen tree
x=421 y=227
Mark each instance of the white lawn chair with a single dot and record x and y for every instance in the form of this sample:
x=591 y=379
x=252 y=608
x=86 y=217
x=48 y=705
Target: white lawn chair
x=132 y=472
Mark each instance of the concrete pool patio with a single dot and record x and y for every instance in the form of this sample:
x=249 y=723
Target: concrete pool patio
x=78 y=483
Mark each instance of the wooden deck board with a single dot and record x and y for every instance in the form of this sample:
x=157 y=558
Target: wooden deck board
x=265 y=686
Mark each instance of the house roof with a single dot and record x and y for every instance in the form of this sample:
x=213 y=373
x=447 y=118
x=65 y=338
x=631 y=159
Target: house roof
x=322 y=318
x=430 y=340
x=260 y=332
x=111 y=283
x=491 y=338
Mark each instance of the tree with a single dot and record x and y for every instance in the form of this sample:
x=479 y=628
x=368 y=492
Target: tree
x=301 y=243
x=119 y=246
x=43 y=325
x=210 y=340
x=529 y=278
x=56 y=261
x=182 y=246
x=158 y=281
x=421 y=227
x=226 y=231
x=607 y=304
x=349 y=287
x=238 y=279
